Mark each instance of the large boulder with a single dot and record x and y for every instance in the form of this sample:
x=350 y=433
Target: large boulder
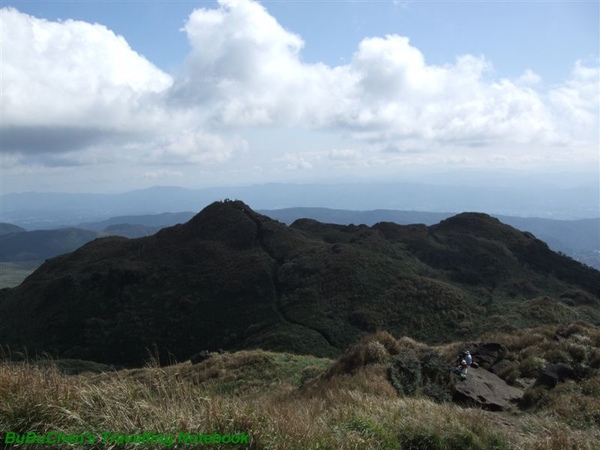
x=554 y=373
x=502 y=366
x=485 y=390
x=487 y=354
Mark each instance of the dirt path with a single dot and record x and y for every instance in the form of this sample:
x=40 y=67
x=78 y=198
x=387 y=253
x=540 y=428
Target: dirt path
x=512 y=424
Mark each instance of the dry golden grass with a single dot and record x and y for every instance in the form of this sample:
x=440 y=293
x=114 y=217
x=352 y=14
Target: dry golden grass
x=359 y=411
x=265 y=395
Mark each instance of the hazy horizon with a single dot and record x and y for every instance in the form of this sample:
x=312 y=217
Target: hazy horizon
x=514 y=178
x=570 y=199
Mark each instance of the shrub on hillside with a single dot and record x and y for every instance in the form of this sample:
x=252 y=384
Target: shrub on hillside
x=423 y=371
x=533 y=396
x=369 y=350
x=511 y=373
x=405 y=373
x=412 y=367
x=391 y=344
x=530 y=367
x=434 y=369
x=407 y=342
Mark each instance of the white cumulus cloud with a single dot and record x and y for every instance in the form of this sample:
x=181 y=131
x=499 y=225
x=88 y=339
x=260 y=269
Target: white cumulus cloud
x=73 y=87
x=577 y=102
x=76 y=92
x=57 y=74
x=246 y=69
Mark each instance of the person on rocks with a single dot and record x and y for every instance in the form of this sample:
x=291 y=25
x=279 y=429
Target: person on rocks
x=461 y=369
x=468 y=358
x=463 y=361
x=465 y=355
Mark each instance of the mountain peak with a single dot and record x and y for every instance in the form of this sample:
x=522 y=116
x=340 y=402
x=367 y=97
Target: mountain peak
x=233 y=278
x=469 y=221
x=228 y=221
x=222 y=211
x=484 y=226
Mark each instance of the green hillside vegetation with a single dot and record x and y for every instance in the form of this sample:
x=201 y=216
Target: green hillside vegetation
x=579 y=239
x=363 y=399
x=234 y=279
x=568 y=235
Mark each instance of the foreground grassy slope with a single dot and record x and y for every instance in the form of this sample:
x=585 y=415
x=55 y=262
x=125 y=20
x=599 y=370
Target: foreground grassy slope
x=285 y=401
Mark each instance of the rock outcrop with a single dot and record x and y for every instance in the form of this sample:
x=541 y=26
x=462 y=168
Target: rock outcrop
x=487 y=354
x=554 y=373
x=483 y=389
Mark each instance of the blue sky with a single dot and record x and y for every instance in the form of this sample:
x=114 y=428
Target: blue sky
x=112 y=96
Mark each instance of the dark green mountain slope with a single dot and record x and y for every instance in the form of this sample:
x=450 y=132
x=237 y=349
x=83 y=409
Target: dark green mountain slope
x=579 y=239
x=232 y=278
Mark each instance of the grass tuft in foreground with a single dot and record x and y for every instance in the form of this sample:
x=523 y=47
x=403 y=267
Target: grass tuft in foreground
x=285 y=401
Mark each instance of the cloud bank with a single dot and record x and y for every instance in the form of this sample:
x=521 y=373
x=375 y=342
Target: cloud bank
x=72 y=73
x=77 y=88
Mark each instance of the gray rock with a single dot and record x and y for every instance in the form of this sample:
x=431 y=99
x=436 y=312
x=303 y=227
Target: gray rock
x=485 y=390
x=487 y=354
x=554 y=373
x=502 y=366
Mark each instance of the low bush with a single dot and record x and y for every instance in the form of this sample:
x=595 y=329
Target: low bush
x=405 y=373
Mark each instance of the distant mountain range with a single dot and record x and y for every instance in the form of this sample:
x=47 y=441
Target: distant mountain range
x=43 y=244
x=151 y=221
x=233 y=278
x=32 y=210
x=8 y=228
